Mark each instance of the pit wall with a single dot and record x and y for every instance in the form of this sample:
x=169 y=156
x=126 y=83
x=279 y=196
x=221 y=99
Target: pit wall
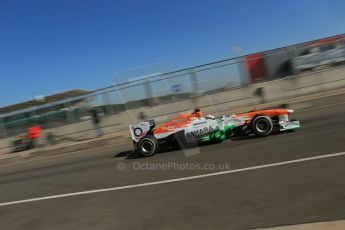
x=216 y=103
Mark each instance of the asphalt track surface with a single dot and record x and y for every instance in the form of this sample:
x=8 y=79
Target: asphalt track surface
x=302 y=192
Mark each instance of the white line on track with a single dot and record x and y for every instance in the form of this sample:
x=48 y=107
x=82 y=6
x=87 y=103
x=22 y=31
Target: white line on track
x=173 y=180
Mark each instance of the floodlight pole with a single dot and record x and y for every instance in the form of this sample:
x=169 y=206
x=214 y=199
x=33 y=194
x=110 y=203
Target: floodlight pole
x=195 y=87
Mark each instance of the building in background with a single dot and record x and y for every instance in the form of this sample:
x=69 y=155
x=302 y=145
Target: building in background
x=49 y=111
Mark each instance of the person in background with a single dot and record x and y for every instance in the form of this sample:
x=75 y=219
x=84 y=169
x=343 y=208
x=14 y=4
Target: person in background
x=34 y=132
x=96 y=121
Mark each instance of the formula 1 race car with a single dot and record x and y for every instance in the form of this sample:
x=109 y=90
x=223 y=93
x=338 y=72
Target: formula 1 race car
x=196 y=128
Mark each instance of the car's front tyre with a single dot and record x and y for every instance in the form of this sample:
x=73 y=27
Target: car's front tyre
x=262 y=126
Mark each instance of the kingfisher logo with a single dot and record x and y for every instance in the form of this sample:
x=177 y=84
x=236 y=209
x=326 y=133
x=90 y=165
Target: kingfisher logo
x=200 y=132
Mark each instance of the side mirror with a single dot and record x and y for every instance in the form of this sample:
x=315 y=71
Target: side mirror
x=209 y=116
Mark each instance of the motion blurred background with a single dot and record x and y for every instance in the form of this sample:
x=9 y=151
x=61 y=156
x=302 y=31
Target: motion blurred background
x=253 y=79
x=107 y=35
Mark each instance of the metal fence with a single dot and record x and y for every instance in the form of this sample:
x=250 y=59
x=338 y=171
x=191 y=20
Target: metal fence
x=179 y=85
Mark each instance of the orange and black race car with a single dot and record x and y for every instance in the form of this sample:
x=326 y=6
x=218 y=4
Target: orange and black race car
x=195 y=127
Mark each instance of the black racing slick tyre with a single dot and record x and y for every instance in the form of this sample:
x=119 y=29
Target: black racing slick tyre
x=262 y=126
x=147 y=146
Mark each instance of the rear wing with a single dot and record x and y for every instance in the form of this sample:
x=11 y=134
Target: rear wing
x=141 y=129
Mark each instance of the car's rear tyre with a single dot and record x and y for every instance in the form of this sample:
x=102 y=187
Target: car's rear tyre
x=147 y=146
x=262 y=126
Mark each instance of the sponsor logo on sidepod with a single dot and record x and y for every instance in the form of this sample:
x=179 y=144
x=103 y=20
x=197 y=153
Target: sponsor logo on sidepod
x=200 y=132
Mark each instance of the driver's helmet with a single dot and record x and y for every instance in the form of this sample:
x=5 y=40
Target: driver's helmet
x=197 y=113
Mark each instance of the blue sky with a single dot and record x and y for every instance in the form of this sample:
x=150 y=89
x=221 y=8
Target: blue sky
x=49 y=46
